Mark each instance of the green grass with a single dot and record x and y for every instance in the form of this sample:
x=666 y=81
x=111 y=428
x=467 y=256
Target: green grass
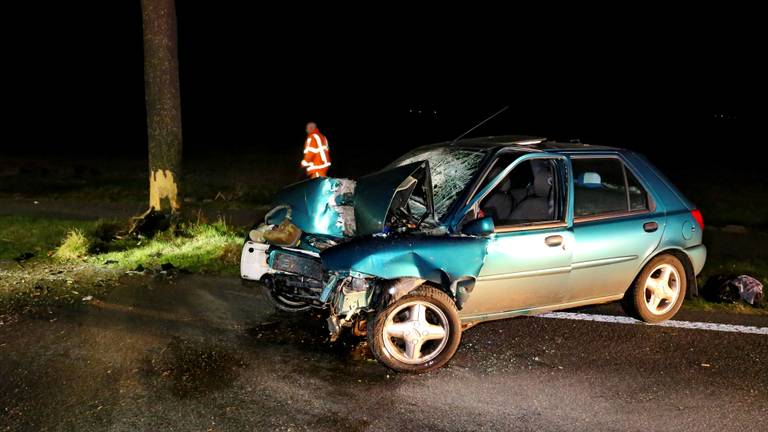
x=19 y=235
x=196 y=247
x=87 y=264
x=199 y=248
x=74 y=246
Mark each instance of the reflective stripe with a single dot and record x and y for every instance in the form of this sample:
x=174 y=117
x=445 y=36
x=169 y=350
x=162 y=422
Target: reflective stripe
x=322 y=155
x=321 y=148
x=317 y=167
x=671 y=323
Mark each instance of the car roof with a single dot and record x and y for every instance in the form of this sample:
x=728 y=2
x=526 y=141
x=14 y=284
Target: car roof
x=526 y=143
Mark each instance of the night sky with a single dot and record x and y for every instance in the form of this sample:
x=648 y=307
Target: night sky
x=671 y=84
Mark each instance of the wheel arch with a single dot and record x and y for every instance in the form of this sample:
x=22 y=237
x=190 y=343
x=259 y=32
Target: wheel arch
x=458 y=289
x=690 y=276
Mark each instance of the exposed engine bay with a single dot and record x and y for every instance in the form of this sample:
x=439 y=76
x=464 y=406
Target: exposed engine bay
x=284 y=250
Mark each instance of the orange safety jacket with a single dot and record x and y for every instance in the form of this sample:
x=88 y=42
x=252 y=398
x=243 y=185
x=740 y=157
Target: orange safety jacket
x=317 y=159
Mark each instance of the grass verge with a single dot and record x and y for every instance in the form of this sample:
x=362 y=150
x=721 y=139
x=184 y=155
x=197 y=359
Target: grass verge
x=34 y=272
x=21 y=236
x=198 y=248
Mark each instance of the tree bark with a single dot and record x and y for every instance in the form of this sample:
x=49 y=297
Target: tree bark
x=161 y=88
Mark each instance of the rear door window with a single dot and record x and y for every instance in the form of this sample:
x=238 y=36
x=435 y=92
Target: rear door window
x=603 y=186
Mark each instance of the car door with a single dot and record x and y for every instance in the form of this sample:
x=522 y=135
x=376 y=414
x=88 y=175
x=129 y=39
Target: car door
x=527 y=264
x=616 y=226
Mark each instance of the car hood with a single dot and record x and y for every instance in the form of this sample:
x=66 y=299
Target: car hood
x=347 y=208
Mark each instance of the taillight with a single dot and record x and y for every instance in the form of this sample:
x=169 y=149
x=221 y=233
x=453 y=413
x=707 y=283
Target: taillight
x=699 y=218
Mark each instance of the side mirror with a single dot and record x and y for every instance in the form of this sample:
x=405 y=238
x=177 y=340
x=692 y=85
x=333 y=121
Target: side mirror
x=479 y=227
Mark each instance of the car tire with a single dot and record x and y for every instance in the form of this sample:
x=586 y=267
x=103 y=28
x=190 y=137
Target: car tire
x=659 y=290
x=280 y=302
x=398 y=327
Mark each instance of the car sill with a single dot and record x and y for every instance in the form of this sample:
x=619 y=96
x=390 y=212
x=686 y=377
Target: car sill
x=537 y=310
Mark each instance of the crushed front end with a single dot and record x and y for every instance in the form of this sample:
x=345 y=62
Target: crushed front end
x=346 y=247
x=284 y=252
x=294 y=280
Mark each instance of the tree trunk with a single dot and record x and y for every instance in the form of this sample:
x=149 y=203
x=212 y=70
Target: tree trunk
x=161 y=83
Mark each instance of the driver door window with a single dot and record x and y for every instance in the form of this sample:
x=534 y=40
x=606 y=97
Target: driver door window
x=527 y=195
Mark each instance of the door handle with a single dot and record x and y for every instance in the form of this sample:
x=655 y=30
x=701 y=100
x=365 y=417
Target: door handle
x=555 y=240
x=650 y=226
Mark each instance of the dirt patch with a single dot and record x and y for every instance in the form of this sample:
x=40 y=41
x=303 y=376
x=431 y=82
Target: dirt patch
x=191 y=369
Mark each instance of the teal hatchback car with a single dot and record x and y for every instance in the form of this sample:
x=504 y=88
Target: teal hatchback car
x=453 y=234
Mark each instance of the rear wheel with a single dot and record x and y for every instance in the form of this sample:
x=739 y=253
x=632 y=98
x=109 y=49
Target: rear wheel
x=417 y=333
x=658 y=291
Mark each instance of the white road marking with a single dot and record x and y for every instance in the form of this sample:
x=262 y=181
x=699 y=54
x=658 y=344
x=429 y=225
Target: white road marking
x=672 y=323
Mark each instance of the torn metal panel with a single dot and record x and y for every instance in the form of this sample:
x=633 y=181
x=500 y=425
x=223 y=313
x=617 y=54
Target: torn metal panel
x=319 y=206
x=399 y=287
x=425 y=257
x=377 y=203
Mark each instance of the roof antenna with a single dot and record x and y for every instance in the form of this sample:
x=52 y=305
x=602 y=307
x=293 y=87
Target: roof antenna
x=479 y=124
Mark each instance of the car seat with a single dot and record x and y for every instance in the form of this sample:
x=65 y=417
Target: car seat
x=499 y=203
x=536 y=207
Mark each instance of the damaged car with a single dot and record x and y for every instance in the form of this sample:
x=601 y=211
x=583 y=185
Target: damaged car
x=457 y=233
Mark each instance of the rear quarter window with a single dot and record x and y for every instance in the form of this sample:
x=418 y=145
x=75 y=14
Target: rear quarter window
x=604 y=186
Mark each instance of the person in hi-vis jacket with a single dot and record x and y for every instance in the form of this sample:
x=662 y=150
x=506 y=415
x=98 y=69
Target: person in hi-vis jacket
x=317 y=158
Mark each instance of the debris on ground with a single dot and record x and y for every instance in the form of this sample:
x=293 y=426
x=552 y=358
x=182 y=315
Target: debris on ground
x=150 y=223
x=733 y=288
x=21 y=258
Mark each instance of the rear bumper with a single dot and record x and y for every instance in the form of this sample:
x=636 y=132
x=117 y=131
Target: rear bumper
x=698 y=256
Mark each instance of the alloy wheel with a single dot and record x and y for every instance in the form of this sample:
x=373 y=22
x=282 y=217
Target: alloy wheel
x=416 y=332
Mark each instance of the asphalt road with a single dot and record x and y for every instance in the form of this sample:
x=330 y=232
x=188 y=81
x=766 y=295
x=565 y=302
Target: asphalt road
x=204 y=353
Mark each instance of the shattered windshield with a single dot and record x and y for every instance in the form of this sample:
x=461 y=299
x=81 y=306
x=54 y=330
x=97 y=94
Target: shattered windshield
x=451 y=169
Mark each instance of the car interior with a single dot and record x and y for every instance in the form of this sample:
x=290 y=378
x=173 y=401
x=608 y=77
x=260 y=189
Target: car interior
x=526 y=195
x=600 y=188
x=529 y=193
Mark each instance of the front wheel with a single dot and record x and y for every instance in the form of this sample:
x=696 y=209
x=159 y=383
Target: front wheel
x=658 y=292
x=417 y=333
x=281 y=299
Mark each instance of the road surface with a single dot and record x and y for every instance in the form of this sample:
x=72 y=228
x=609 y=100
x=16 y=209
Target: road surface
x=203 y=353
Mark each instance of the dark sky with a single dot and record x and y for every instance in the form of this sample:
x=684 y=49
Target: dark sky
x=251 y=77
